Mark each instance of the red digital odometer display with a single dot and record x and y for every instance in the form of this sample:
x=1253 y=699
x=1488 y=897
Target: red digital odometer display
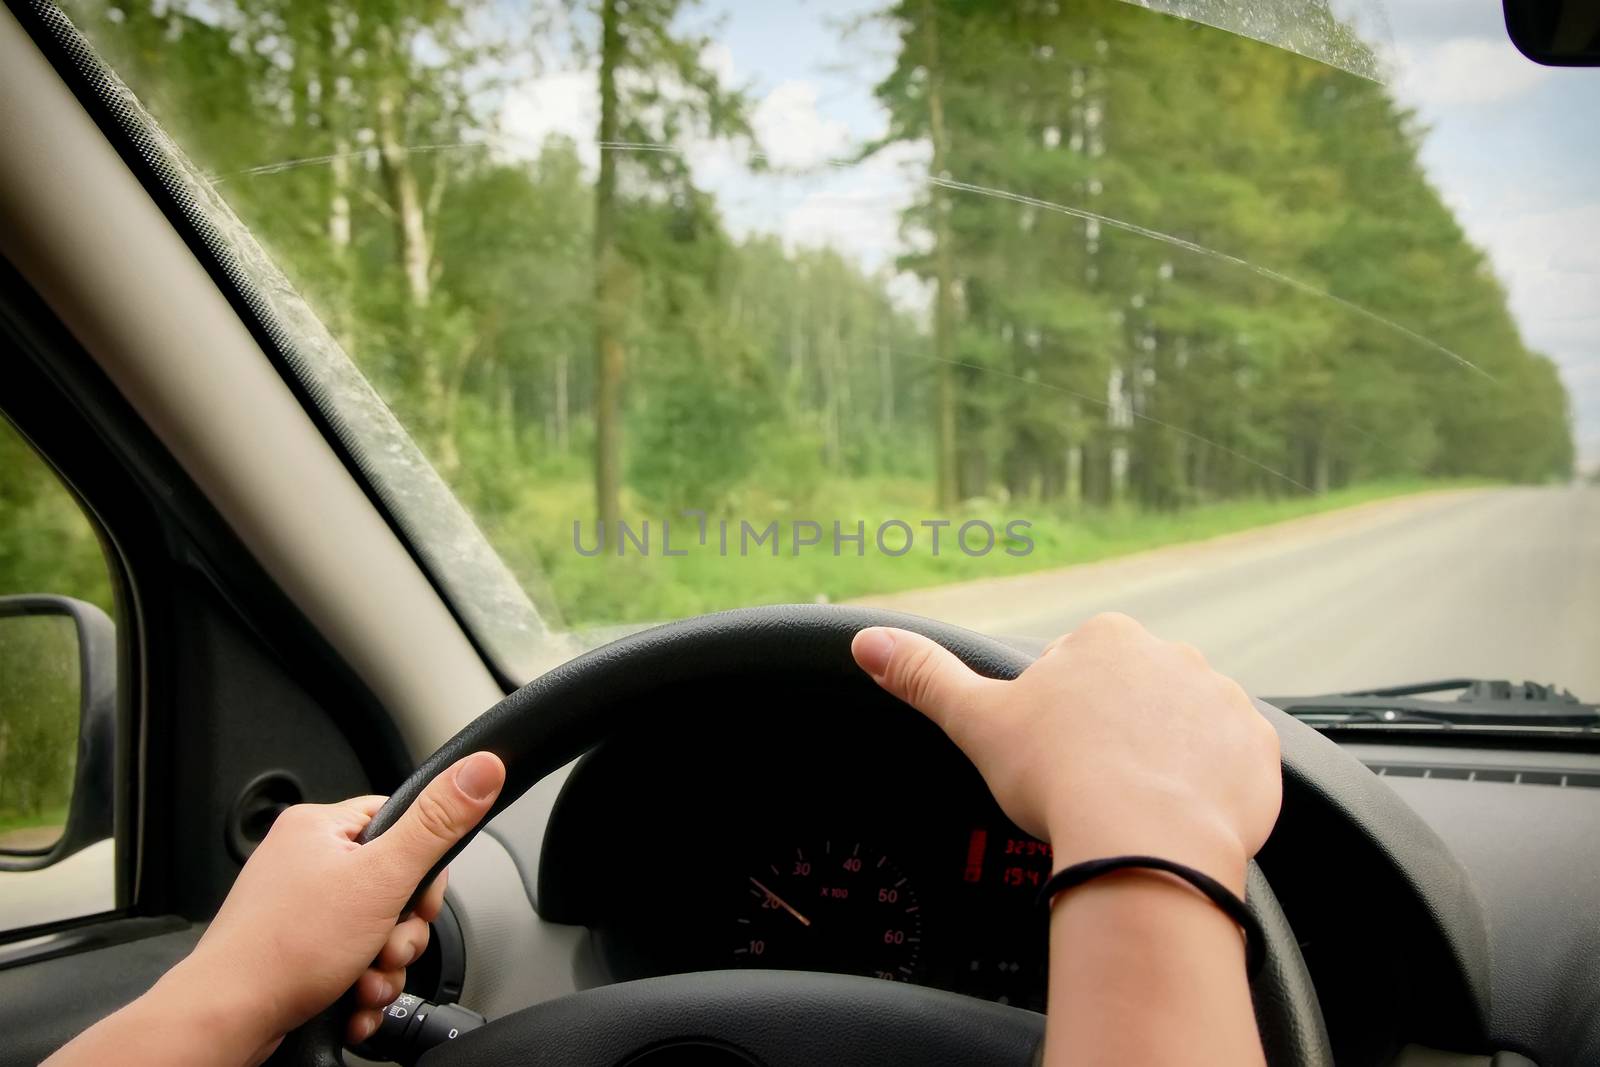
x=999 y=954
x=1014 y=861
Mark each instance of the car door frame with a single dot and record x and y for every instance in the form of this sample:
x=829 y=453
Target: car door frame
x=162 y=540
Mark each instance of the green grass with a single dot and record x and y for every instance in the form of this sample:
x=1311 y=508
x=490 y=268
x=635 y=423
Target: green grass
x=536 y=539
x=14 y=820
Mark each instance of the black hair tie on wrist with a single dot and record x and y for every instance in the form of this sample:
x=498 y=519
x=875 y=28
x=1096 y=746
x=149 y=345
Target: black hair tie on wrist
x=1255 y=945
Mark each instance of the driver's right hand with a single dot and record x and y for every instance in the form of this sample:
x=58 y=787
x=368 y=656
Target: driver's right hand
x=1113 y=742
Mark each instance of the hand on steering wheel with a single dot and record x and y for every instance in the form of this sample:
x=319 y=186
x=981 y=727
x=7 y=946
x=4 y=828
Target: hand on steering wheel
x=312 y=914
x=309 y=945
x=1112 y=742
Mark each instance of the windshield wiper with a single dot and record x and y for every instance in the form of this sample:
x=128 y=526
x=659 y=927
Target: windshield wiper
x=1479 y=704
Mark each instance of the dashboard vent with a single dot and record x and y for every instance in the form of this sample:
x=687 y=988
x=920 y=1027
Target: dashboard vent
x=1516 y=775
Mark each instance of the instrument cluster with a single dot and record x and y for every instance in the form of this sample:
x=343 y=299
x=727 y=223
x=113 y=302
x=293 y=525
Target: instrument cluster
x=864 y=843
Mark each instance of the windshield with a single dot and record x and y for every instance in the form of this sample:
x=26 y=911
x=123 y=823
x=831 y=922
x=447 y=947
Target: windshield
x=1274 y=326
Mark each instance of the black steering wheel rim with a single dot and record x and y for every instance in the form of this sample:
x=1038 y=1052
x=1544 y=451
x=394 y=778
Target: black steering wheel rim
x=555 y=718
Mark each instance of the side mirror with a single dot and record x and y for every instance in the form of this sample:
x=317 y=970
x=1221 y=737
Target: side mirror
x=58 y=671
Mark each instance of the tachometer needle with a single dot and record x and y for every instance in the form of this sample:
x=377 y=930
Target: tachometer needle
x=784 y=904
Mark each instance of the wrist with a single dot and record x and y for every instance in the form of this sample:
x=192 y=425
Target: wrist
x=1138 y=938
x=219 y=1020
x=1206 y=846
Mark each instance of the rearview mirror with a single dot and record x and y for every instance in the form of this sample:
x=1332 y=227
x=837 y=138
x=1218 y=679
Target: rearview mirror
x=58 y=686
x=1557 y=33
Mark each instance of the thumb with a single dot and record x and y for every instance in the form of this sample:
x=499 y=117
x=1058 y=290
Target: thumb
x=919 y=671
x=446 y=811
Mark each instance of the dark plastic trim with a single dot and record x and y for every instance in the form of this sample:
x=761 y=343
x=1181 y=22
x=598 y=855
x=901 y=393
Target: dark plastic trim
x=255 y=798
x=1533 y=24
x=155 y=526
x=777 y=1018
x=87 y=937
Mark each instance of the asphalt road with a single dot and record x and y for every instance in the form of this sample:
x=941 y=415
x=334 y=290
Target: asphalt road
x=1499 y=583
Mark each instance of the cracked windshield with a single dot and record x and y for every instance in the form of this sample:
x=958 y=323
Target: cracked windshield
x=1272 y=325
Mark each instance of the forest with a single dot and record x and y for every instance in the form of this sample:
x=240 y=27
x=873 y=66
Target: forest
x=1166 y=279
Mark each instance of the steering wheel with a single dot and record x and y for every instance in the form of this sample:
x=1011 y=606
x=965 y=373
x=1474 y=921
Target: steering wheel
x=775 y=1018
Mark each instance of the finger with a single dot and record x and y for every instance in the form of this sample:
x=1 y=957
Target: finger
x=1056 y=645
x=367 y=805
x=403 y=946
x=432 y=901
x=450 y=807
x=1113 y=625
x=377 y=989
x=362 y=1025
x=919 y=671
x=351 y=816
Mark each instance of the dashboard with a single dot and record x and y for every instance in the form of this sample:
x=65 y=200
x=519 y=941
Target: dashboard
x=793 y=826
x=885 y=857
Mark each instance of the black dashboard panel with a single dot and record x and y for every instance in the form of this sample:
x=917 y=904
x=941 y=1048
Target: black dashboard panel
x=658 y=832
x=884 y=856
x=1526 y=825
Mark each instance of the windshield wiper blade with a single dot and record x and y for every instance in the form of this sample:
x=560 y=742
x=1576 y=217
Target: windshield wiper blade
x=1479 y=703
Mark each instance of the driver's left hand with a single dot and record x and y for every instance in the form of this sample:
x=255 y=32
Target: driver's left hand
x=311 y=914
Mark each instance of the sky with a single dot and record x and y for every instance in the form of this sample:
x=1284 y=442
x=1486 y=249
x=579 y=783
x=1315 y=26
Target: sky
x=1512 y=147
x=1515 y=150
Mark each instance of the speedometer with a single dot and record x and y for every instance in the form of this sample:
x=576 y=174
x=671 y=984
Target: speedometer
x=830 y=905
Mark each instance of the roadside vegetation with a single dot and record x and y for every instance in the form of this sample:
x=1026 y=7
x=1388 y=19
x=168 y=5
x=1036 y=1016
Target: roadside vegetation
x=1164 y=281
x=635 y=588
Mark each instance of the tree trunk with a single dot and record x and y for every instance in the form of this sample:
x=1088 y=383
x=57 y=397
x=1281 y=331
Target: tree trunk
x=607 y=266
x=1072 y=487
x=798 y=320
x=339 y=234
x=405 y=198
x=828 y=376
x=1319 y=465
x=563 y=403
x=334 y=112
x=506 y=412
x=416 y=259
x=885 y=380
x=945 y=488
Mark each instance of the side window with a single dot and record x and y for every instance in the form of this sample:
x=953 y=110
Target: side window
x=57 y=699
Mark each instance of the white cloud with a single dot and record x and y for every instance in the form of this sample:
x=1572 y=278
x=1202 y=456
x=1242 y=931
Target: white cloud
x=564 y=102
x=792 y=132
x=857 y=209
x=911 y=293
x=1550 y=264
x=1551 y=268
x=718 y=59
x=1463 y=70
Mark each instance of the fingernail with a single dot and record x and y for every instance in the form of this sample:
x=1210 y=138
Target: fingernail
x=366 y=1027
x=873 y=648
x=479 y=775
